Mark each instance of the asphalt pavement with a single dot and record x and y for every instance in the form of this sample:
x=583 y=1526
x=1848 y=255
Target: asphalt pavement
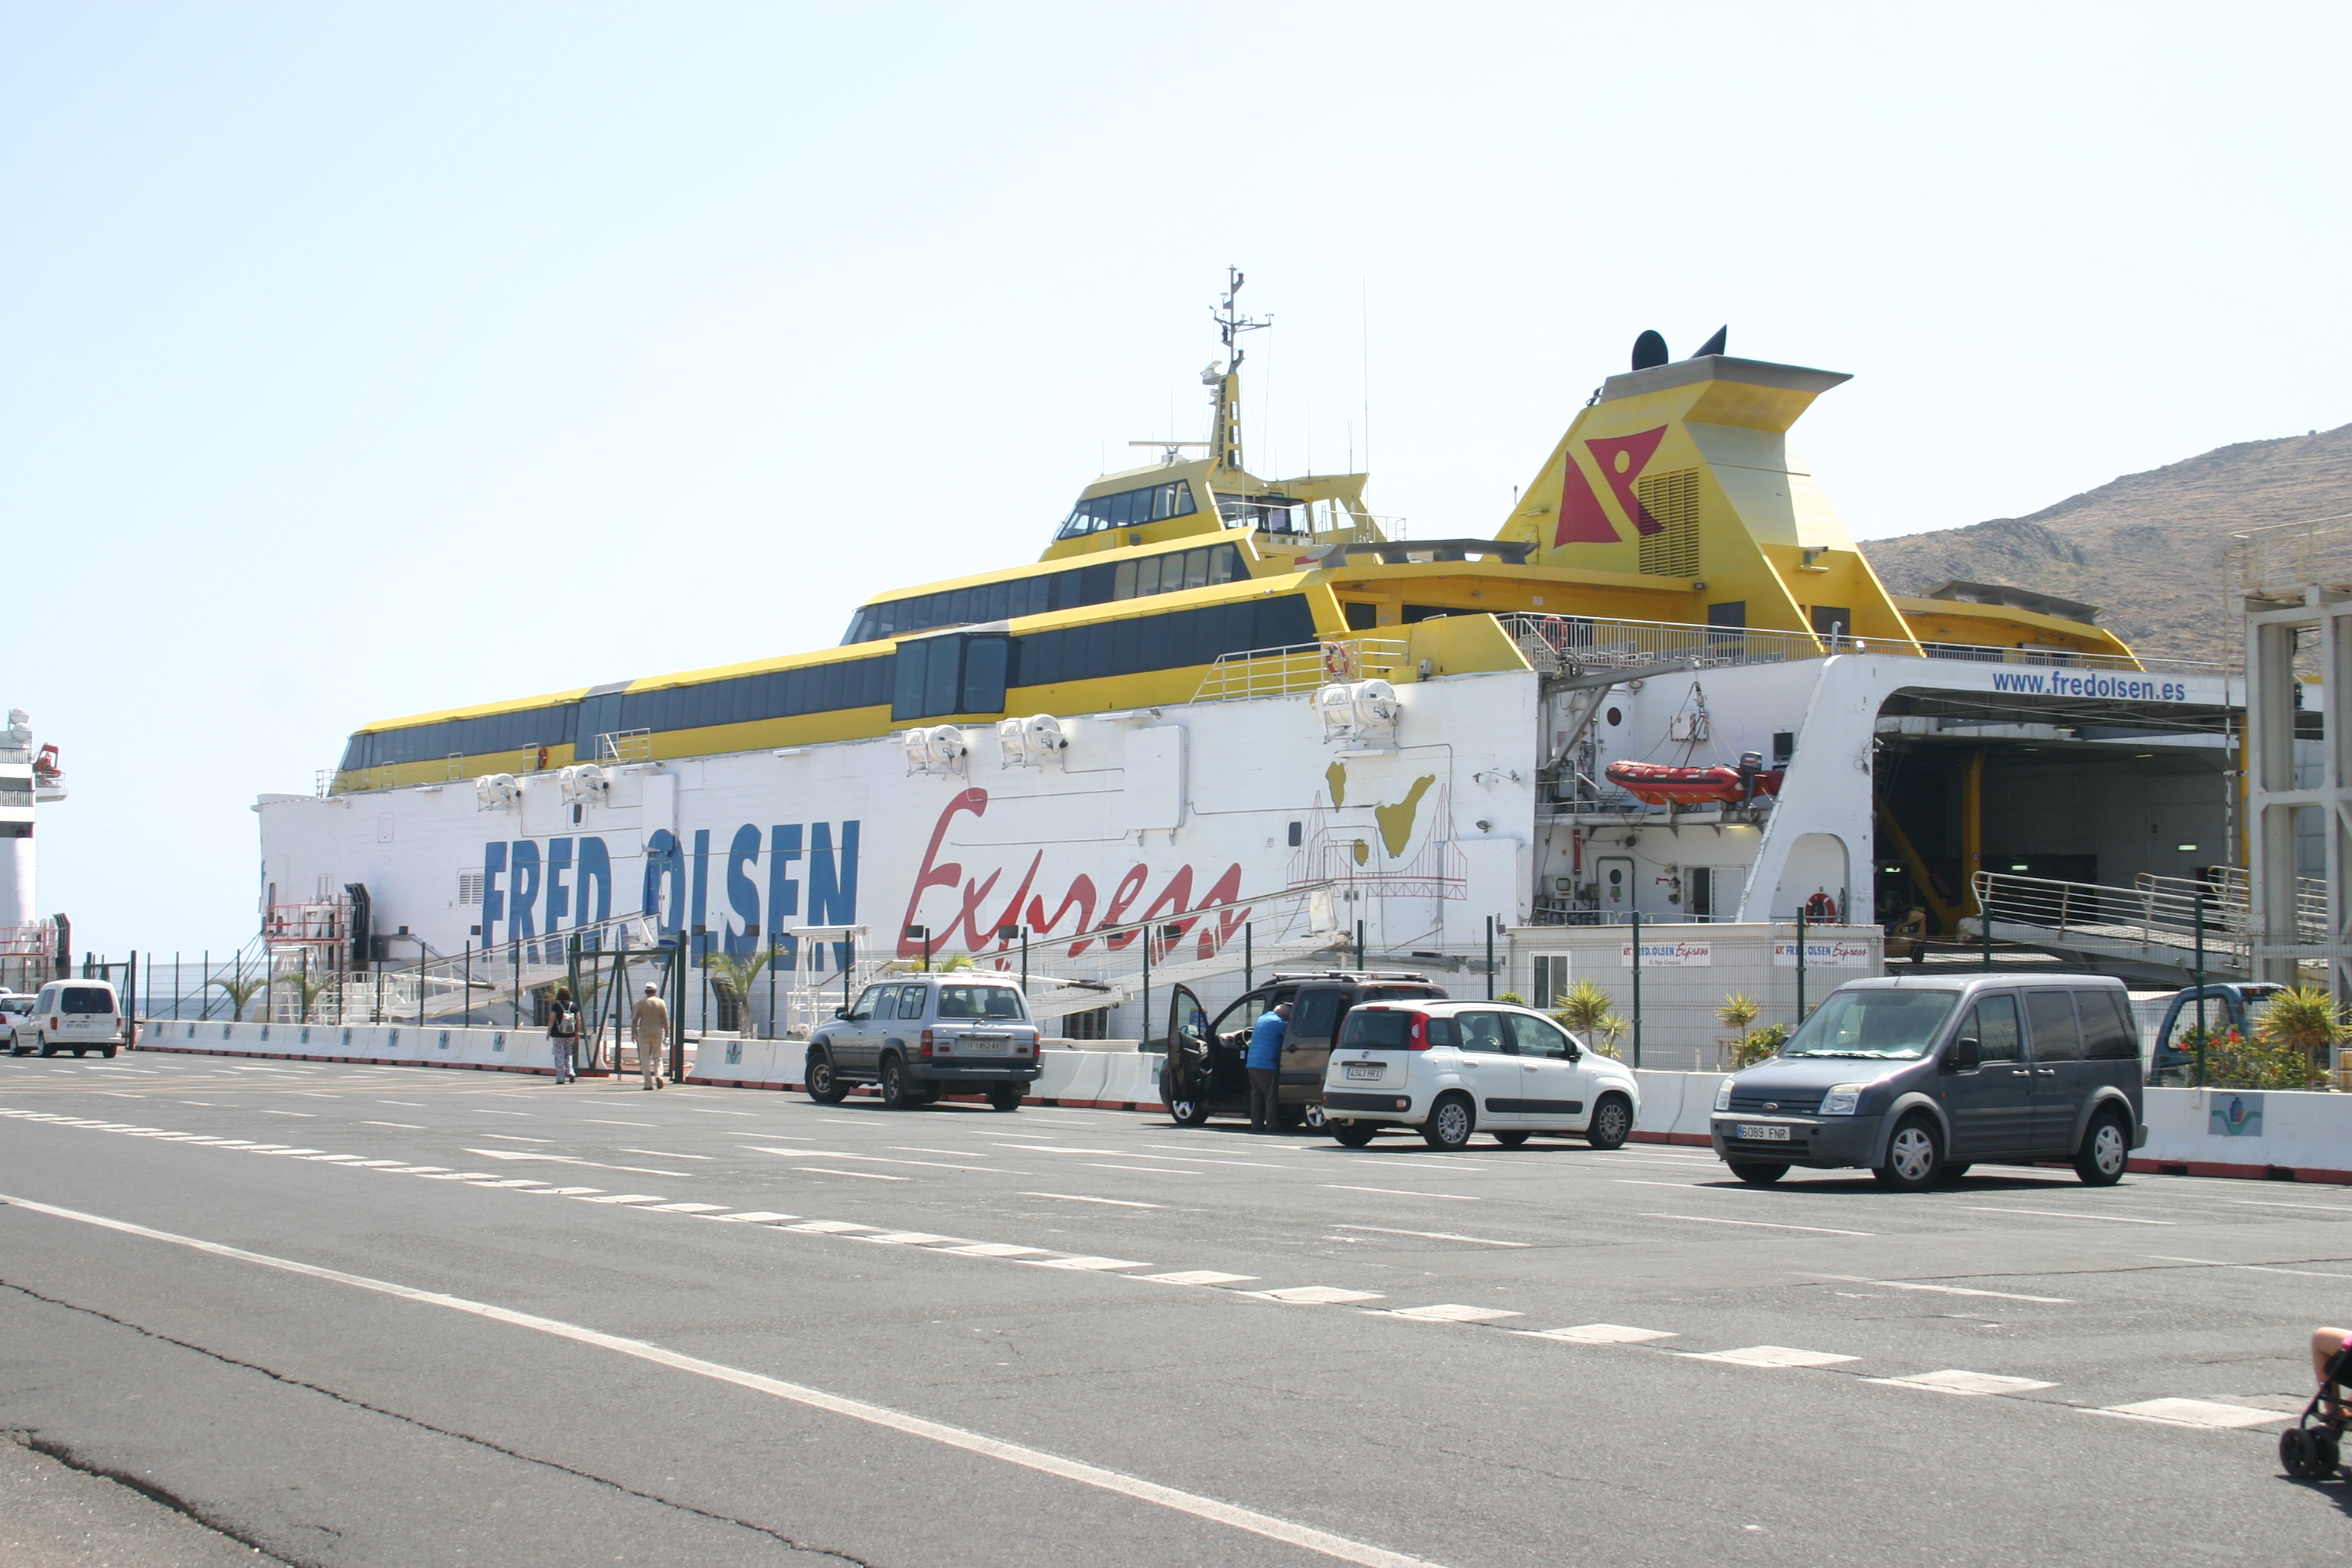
x=357 y=1315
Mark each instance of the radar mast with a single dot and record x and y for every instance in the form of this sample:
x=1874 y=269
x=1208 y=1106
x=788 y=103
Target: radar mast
x=1223 y=379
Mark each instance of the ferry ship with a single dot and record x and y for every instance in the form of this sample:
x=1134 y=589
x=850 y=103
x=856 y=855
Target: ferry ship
x=1245 y=718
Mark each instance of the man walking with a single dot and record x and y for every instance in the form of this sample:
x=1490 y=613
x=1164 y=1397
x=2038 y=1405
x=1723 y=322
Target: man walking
x=650 y=1021
x=1265 y=1064
x=562 y=1033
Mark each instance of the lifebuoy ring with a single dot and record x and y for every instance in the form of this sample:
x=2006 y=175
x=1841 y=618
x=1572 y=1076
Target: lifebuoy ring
x=1821 y=907
x=1337 y=661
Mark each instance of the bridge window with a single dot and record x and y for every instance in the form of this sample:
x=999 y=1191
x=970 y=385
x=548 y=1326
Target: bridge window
x=1128 y=508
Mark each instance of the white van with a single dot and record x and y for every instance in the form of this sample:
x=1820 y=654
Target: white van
x=77 y=1016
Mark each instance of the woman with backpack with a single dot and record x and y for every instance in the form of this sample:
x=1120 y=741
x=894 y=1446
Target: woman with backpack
x=562 y=1032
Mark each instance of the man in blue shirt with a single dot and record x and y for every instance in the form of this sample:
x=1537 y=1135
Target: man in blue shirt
x=1265 y=1064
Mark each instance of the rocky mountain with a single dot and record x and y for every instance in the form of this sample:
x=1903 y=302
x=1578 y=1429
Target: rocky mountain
x=2145 y=548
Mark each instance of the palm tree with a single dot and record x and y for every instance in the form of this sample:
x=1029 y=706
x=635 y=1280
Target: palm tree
x=1583 y=1007
x=733 y=975
x=1612 y=1028
x=308 y=989
x=1740 y=1010
x=2304 y=1018
x=240 y=991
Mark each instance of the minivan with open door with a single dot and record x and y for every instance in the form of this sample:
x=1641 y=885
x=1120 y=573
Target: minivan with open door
x=1206 y=1072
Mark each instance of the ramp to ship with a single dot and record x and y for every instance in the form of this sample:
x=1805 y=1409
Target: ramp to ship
x=2147 y=933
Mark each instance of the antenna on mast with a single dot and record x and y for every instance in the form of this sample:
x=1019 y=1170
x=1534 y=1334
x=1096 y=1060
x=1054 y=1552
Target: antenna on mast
x=1223 y=379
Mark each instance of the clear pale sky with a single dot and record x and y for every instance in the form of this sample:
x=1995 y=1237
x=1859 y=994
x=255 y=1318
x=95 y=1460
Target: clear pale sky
x=365 y=359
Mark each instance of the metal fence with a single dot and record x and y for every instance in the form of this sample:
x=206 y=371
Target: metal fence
x=2281 y=561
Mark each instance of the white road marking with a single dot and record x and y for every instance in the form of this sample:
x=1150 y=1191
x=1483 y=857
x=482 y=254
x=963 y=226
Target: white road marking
x=2062 y=1213
x=699 y=1111
x=516 y=1138
x=2193 y=1413
x=687 y=1208
x=754 y=1216
x=829 y=1226
x=2252 y=1268
x=1767 y=1355
x=1449 y=1312
x=1946 y=1289
x=624 y=1198
x=1083 y=1198
x=1598 y=1334
x=404 y=1126
x=995 y=1249
x=412 y=1104
x=862 y=1175
x=2264 y=1204
x=1314 y=1295
x=1400 y=1193
x=919 y=1148
x=1191 y=1503
x=1198 y=1277
x=1969 y=1383
x=909 y=1237
x=1422 y=1163
x=304 y=1114
x=1760 y=1224
x=875 y=1159
x=1433 y=1235
x=1147 y=1170
x=1092 y=1262
x=605 y=1121
x=669 y=1154
x=539 y=1159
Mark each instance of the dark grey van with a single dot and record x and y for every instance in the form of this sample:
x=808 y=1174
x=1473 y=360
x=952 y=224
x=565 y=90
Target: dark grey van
x=1918 y=1079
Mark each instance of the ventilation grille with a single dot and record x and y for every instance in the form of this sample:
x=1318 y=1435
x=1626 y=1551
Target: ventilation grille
x=1673 y=500
x=469 y=887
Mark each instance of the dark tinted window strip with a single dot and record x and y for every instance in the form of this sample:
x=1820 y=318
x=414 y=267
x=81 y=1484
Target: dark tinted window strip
x=1134 y=644
x=1170 y=572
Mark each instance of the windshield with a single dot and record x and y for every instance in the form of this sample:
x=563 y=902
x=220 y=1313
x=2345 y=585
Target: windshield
x=979 y=1002
x=1891 y=1026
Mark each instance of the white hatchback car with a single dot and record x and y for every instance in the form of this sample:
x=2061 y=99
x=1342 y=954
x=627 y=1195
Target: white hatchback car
x=1449 y=1069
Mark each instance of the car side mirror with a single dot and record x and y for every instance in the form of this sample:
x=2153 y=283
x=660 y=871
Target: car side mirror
x=1965 y=1053
x=841 y=1011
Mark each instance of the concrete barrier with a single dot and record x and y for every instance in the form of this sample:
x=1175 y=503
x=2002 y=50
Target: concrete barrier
x=2278 y=1135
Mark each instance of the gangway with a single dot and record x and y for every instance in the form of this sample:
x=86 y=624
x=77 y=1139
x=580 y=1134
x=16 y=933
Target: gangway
x=2148 y=931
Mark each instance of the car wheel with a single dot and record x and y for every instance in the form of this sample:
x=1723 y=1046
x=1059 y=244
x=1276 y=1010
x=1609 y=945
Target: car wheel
x=1913 y=1155
x=1353 y=1134
x=1451 y=1123
x=824 y=1087
x=1510 y=1140
x=1612 y=1122
x=896 y=1095
x=1759 y=1175
x=47 y=1049
x=1004 y=1099
x=1314 y=1117
x=2106 y=1151
x=79 y=1053
x=1953 y=1171
x=1189 y=1113
x=108 y=1053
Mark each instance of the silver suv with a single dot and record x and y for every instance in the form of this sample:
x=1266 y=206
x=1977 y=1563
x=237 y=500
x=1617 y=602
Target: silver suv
x=920 y=1036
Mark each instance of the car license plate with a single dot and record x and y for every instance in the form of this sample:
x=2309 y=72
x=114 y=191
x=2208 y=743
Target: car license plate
x=1761 y=1132
x=1366 y=1070
x=982 y=1044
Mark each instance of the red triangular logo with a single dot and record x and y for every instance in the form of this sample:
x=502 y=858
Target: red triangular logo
x=1581 y=521
x=1635 y=451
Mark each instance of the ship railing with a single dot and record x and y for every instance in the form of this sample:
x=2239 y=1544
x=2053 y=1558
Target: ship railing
x=625 y=746
x=1562 y=645
x=2229 y=900
x=1302 y=667
x=2280 y=562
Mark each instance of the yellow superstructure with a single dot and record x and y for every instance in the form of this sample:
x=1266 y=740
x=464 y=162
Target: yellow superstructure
x=1672 y=498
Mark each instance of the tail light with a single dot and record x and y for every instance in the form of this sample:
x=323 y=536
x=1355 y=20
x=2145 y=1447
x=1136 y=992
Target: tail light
x=1418 y=1039
x=926 y=1043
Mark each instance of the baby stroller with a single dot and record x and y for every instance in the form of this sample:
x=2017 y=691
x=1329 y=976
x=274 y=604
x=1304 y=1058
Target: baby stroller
x=2313 y=1447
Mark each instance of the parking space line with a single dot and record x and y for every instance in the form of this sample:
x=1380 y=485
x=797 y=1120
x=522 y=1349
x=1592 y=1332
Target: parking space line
x=1760 y=1224
x=1767 y=1356
x=2250 y=1268
x=1599 y=1334
x=1946 y=1289
x=1399 y=1192
x=1084 y=1198
x=1964 y=1383
x=1433 y=1235
x=2062 y=1213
